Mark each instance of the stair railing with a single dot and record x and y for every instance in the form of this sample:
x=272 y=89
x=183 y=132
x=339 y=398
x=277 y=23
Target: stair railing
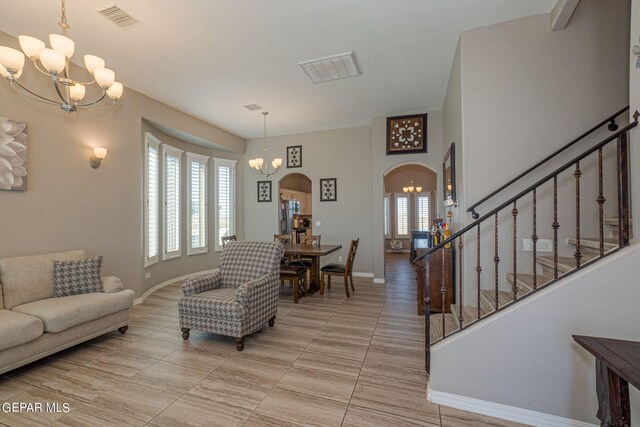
x=609 y=121
x=423 y=260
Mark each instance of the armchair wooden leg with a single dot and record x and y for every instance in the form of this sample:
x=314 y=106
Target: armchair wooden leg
x=240 y=343
x=185 y=333
x=351 y=280
x=272 y=321
x=123 y=329
x=346 y=285
x=296 y=289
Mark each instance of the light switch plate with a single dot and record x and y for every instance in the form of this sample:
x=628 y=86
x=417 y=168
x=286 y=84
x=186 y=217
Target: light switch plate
x=318 y=223
x=542 y=245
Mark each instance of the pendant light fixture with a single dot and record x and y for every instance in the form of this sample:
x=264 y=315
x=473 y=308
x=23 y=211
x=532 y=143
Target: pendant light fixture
x=54 y=63
x=411 y=188
x=258 y=164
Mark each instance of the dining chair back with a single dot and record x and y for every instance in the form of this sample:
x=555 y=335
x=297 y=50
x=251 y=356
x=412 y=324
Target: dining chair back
x=227 y=239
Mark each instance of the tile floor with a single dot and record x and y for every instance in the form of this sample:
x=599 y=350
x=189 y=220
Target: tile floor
x=328 y=361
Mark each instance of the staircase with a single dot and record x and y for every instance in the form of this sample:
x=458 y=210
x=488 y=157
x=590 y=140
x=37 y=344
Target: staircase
x=574 y=190
x=524 y=282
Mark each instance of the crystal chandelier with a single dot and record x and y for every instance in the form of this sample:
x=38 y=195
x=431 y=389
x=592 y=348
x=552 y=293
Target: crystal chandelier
x=411 y=188
x=258 y=164
x=54 y=63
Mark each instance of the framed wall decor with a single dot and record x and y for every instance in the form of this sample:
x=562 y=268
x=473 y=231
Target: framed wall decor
x=449 y=176
x=328 y=189
x=294 y=156
x=264 y=191
x=407 y=134
x=13 y=155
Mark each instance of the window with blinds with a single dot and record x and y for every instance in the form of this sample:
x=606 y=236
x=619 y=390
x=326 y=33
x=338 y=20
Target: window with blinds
x=387 y=215
x=151 y=199
x=402 y=216
x=225 y=218
x=422 y=213
x=198 y=204
x=171 y=194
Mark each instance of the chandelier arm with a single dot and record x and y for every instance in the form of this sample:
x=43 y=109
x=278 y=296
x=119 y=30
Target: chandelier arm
x=96 y=109
x=30 y=94
x=85 y=83
x=55 y=84
x=104 y=93
x=35 y=64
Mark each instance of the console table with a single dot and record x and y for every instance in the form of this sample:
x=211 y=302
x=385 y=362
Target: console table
x=617 y=366
x=432 y=269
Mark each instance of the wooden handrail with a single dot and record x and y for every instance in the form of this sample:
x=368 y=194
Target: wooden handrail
x=612 y=127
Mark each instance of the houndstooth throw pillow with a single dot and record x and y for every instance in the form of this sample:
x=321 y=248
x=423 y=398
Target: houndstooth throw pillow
x=77 y=277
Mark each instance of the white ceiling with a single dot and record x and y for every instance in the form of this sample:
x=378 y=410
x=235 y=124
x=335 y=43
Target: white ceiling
x=209 y=58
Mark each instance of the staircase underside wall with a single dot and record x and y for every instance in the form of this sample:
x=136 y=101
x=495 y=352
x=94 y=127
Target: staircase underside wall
x=525 y=357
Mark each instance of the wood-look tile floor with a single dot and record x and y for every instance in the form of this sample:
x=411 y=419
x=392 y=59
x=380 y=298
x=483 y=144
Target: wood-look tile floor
x=329 y=361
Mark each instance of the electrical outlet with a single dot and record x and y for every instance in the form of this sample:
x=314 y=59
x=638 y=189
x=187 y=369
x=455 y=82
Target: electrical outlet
x=147 y=276
x=318 y=223
x=542 y=245
x=340 y=258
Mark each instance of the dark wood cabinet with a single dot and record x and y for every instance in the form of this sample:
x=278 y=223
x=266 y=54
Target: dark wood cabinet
x=431 y=271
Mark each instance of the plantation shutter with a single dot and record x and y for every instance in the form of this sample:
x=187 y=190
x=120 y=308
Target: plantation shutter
x=172 y=157
x=422 y=213
x=402 y=216
x=197 y=203
x=151 y=199
x=226 y=199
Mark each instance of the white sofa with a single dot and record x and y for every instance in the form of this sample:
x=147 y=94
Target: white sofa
x=35 y=324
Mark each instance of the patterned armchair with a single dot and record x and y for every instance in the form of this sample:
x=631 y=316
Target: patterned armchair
x=239 y=298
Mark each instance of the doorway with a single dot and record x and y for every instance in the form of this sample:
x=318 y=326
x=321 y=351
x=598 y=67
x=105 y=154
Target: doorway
x=409 y=204
x=295 y=205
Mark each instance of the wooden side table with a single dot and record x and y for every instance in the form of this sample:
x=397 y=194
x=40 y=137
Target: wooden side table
x=617 y=366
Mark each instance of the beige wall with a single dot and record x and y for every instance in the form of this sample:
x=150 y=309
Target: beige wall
x=296 y=182
x=69 y=205
x=398 y=178
x=344 y=154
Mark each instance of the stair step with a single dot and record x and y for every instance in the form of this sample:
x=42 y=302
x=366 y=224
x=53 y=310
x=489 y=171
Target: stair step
x=613 y=222
x=594 y=243
x=565 y=264
x=525 y=281
x=488 y=298
x=469 y=314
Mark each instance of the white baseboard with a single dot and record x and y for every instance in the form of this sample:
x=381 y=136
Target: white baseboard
x=362 y=274
x=505 y=412
x=168 y=282
x=378 y=280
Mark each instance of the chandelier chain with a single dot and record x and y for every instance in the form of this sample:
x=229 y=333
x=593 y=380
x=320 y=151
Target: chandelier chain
x=63 y=19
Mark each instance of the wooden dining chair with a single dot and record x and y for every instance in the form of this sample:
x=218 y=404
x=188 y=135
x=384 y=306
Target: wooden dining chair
x=227 y=239
x=346 y=271
x=294 y=274
x=285 y=239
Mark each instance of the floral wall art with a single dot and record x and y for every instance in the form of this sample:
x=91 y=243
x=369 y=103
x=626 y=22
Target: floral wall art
x=13 y=155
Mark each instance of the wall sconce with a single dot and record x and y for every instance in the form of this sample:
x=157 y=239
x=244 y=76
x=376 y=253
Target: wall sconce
x=98 y=155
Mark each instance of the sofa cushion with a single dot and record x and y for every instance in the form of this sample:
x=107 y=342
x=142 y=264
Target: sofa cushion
x=30 y=278
x=18 y=328
x=77 y=277
x=62 y=313
x=218 y=303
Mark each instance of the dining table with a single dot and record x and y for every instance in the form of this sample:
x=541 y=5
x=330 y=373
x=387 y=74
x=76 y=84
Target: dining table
x=314 y=253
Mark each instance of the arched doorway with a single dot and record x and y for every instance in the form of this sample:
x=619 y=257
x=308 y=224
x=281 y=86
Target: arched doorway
x=295 y=205
x=409 y=203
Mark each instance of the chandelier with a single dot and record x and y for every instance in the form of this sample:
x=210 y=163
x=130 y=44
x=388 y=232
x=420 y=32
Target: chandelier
x=258 y=164
x=54 y=63
x=411 y=188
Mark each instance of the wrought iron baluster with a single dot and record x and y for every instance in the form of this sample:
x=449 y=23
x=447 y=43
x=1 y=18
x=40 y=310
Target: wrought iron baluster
x=424 y=269
x=578 y=254
x=534 y=239
x=443 y=292
x=478 y=267
x=514 y=289
x=555 y=226
x=496 y=260
x=600 y=201
x=460 y=246
x=623 y=190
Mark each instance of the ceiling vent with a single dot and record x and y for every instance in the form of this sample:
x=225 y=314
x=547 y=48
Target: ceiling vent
x=330 y=68
x=119 y=17
x=253 y=107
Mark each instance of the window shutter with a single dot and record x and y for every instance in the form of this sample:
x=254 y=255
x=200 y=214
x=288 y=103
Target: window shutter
x=151 y=199
x=172 y=173
x=402 y=216
x=226 y=199
x=198 y=206
x=422 y=213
